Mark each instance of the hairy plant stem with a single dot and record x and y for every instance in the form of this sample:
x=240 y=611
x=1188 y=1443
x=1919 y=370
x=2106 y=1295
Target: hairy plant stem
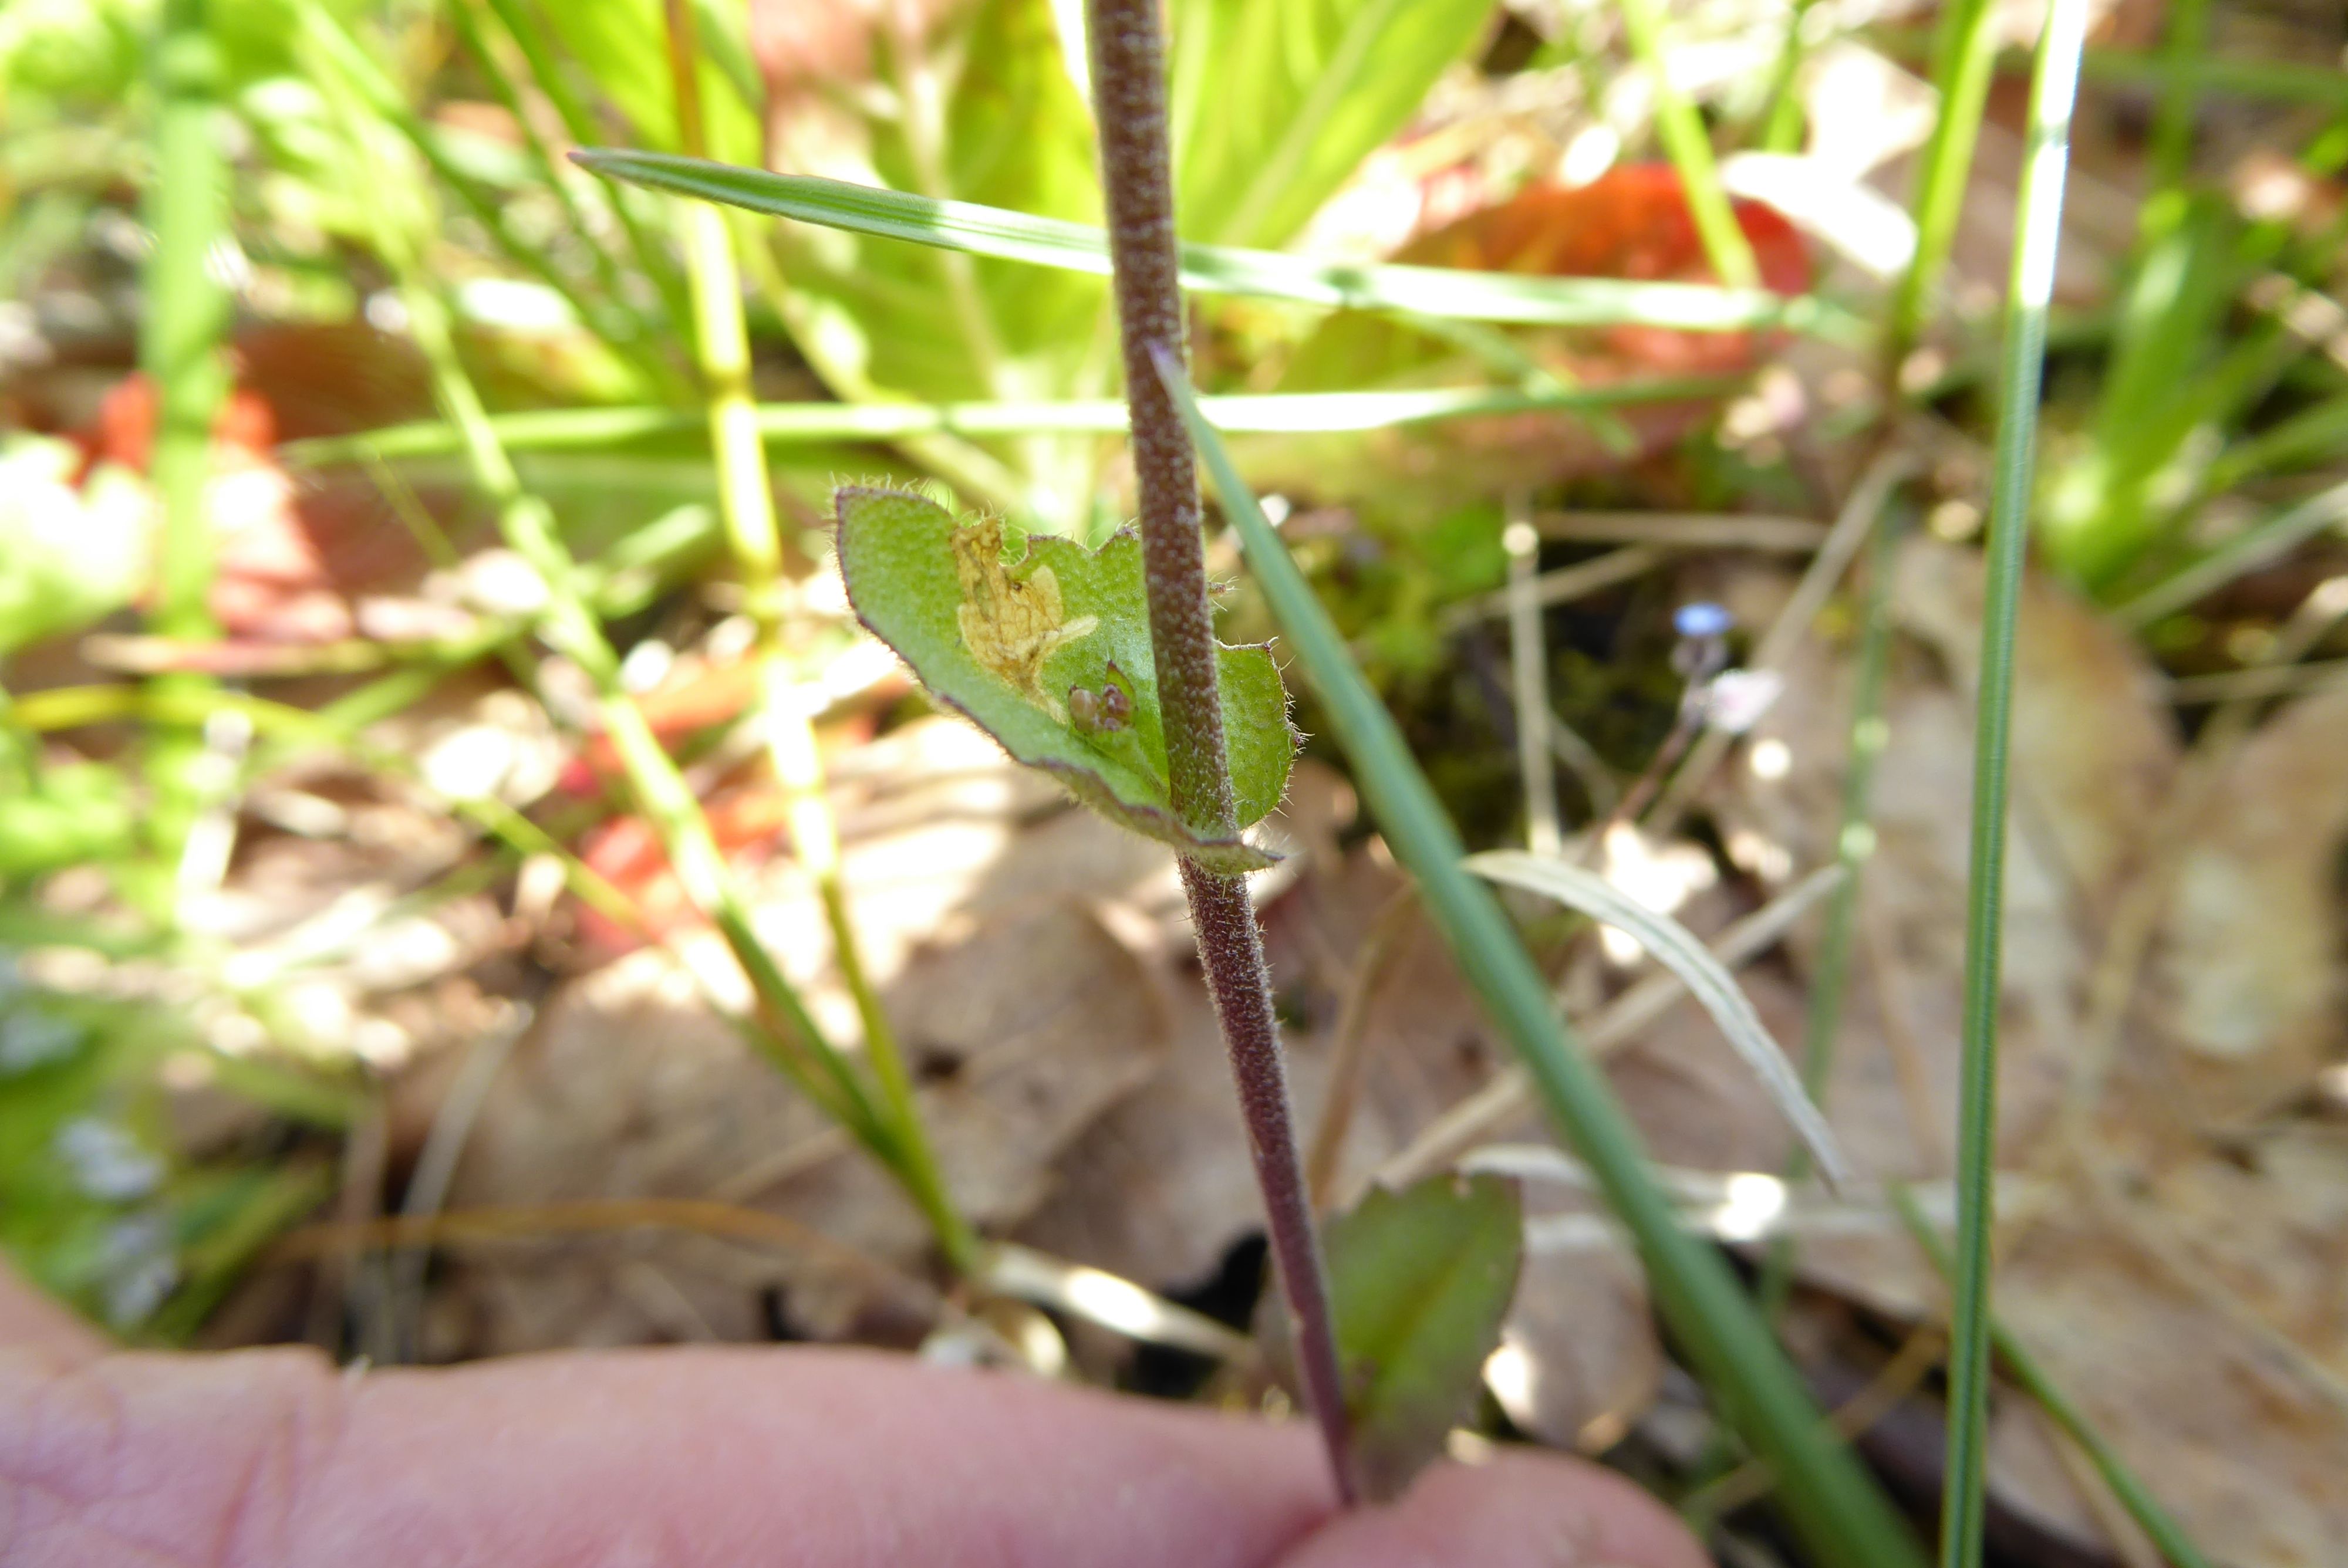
x=746 y=501
x=1128 y=77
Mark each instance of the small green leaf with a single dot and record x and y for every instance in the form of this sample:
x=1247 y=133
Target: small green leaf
x=1049 y=652
x=1421 y=1280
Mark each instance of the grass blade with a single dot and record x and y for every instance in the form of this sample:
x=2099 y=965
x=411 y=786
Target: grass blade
x=1678 y=949
x=1680 y=130
x=746 y=501
x=1964 y=51
x=1837 y=1509
x=784 y=1029
x=541 y=157
x=2311 y=435
x=1854 y=844
x=1783 y=124
x=2317 y=85
x=2037 y=238
x=2154 y=1520
x=1435 y=292
x=179 y=350
x=1297 y=105
x=2246 y=551
x=1294 y=413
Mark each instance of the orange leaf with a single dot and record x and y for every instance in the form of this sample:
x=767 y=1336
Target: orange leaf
x=1631 y=222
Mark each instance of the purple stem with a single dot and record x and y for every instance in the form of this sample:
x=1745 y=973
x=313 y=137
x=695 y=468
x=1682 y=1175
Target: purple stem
x=1130 y=104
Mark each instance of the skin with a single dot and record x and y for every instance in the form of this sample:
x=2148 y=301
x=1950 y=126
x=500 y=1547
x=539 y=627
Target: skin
x=687 y=1458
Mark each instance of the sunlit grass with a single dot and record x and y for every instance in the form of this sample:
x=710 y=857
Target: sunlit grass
x=1435 y=292
x=2038 y=239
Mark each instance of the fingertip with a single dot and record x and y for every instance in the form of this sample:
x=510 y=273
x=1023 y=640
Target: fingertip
x=30 y=1320
x=1518 y=1509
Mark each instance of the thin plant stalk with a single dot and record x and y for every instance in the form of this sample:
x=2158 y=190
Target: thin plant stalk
x=2311 y=82
x=2186 y=39
x=2045 y=159
x=1964 y=56
x=1529 y=680
x=746 y=501
x=1854 y=843
x=1444 y=293
x=1680 y=130
x=297 y=730
x=1781 y=125
x=2167 y=1535
x=179 y=350
x=1839 y=1513
x=1129 y=79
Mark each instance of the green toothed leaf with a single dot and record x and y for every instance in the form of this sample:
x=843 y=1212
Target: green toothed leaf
x=1049 y=654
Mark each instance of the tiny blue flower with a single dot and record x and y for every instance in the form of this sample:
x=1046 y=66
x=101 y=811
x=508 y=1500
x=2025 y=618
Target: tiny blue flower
x=1702 y=619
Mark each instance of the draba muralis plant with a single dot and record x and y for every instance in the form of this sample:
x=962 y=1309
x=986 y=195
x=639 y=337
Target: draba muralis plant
x=1102 y=667
x=1128 y=75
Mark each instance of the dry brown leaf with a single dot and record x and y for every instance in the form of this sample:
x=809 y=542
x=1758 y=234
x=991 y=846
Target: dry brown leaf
x=2239 y=1448
x=2246 y=981
x=2183 y=1292
x=1163 y=1188
x=1579 y=1361
x=999 y=926
x=2093 y=751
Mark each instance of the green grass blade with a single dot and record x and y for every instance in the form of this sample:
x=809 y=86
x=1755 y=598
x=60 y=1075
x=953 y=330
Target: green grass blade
x=1315 y=412
x=2188 y=40
x=746 y=501
x=1840 y=1514
x=2278 y=81
x=179 y=349
x=2281 y=81
x=1680 y=130
x=2311 y=435
x=1299 y=96
x=567 y=622
x=2246 y=551
x=2154 y=1520
x=1964 y=52
x=1782 y=123
x=2037 y=240
x=1219 y=270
